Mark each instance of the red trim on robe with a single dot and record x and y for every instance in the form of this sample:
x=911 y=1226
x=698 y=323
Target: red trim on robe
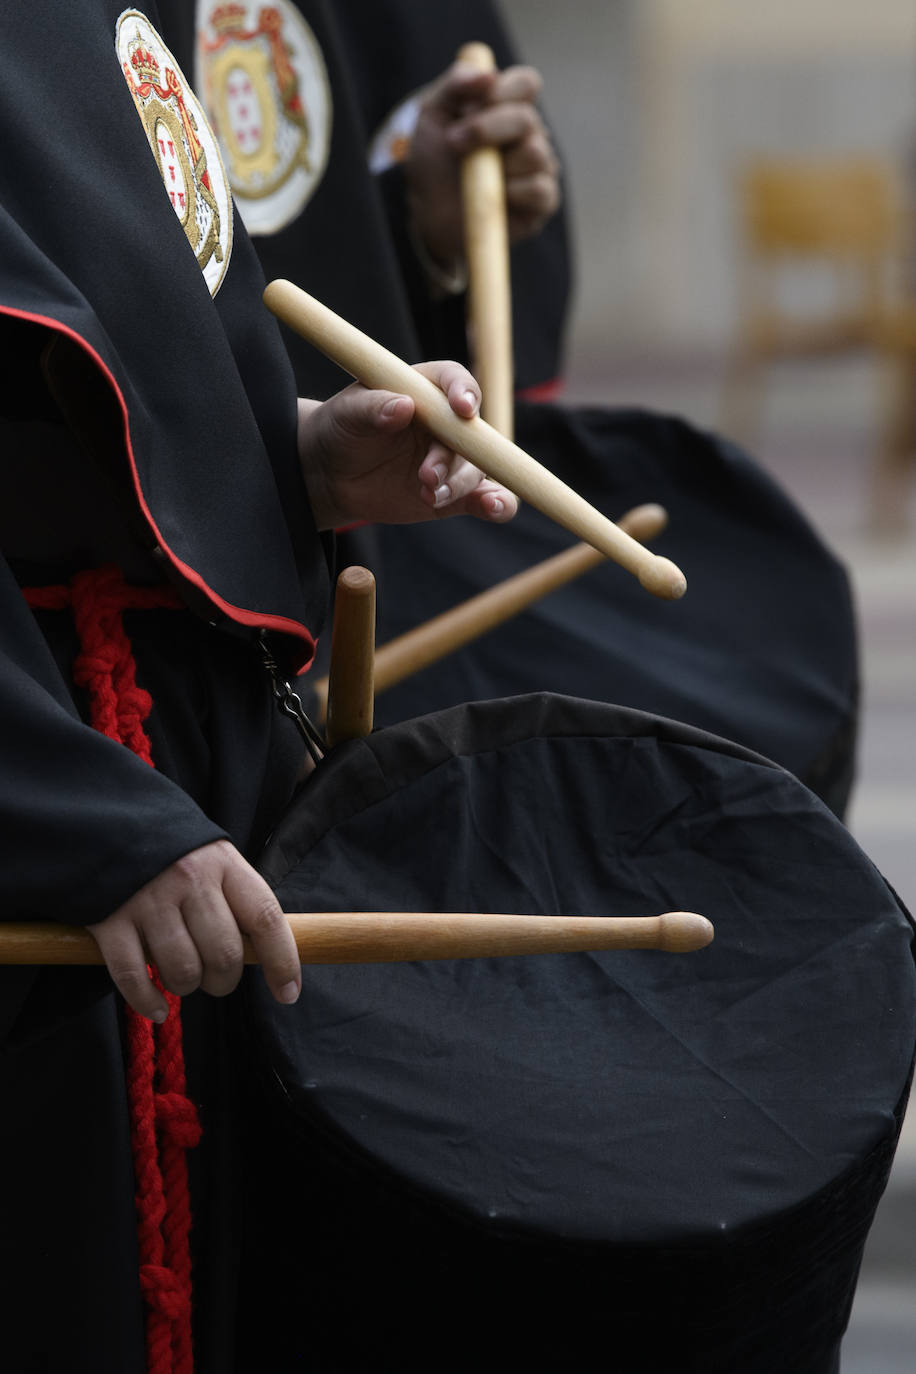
x=241 y=616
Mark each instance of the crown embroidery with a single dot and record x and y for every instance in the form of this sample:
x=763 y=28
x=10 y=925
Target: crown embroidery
x=143 y=62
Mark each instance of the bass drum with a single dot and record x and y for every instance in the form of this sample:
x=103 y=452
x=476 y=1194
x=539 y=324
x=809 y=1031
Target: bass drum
x=671 y=1159
x=762 y=649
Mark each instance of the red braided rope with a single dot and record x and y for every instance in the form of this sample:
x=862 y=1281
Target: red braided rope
x=179 y=1131
x=164 y=1124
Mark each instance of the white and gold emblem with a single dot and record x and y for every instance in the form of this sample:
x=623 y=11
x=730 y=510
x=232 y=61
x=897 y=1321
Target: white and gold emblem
x=262 y=76
x=182 y=141
x=391 y=141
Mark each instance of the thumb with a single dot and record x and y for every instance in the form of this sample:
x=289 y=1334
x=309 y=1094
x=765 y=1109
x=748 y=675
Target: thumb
x=358 y=413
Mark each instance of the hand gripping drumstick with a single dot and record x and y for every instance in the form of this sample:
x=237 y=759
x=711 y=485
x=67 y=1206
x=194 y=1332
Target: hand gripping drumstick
x=444 y=634
x=371 y=937
x=345 y=697
x=375 y=367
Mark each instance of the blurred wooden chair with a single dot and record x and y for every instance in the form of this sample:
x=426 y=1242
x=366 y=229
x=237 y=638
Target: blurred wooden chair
x=895 y=458
x=843 y=218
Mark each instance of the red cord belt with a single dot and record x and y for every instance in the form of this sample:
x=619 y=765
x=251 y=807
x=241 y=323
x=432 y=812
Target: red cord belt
x=164 y=1122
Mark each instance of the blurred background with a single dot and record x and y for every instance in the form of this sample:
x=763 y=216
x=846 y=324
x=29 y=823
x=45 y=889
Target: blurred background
x=741 y=181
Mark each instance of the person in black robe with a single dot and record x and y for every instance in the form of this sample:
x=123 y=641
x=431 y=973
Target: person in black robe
x=750 y=653
x=402 y=57
x=157 y=474
x=345 y=234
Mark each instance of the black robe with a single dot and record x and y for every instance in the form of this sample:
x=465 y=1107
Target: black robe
x=190 y=399
x=149 y=422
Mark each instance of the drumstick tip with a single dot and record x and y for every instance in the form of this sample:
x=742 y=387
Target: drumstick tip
x=664 y=579
x=643 y=523
x=682 y=931
x=274 y=288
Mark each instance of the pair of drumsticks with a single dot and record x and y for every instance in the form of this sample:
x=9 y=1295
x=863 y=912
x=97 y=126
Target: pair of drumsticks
x=358 y=673
x=369 y=937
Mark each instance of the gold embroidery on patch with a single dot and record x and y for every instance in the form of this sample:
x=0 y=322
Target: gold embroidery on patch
x=163 y=129
x=263 y=152
x=264 y=83
x=167 y=110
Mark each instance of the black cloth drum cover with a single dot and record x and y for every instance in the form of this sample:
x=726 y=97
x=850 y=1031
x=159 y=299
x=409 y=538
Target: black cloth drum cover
x=671 y=1158
x=762 y=649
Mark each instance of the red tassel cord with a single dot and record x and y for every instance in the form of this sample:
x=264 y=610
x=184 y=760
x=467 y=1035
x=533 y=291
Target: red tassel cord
x=164 y=1124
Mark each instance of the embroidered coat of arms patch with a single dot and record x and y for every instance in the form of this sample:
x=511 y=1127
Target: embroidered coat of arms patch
x=262 y=75
x=182 y=142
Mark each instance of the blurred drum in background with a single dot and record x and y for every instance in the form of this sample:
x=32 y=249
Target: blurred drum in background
x=762 y=649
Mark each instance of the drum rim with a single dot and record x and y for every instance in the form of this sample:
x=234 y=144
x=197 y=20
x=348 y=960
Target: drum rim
x=358 y=773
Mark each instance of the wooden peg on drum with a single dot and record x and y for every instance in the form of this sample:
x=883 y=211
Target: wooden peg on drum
x=381 y=937
x=347 y=695
x=494 y=454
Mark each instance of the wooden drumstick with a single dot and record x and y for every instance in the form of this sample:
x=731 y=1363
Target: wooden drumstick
x=446 y=633
x=350 y=687
x=486 y=239
x=371 y=937
x=494 y=454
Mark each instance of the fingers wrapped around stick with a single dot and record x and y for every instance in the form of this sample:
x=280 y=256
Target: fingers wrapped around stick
x=192 y=922
x=495 y=455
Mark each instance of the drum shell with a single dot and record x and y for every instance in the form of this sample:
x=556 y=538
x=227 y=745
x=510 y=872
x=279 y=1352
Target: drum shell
x=680 y=1154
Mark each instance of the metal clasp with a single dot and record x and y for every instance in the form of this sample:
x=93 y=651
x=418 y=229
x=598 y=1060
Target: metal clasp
x=290 y=703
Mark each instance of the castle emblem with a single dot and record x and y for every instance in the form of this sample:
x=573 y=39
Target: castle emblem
x=182 y=142
x=263 y=79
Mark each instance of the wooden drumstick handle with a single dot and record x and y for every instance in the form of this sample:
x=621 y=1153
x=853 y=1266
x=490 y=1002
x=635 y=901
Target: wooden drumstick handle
x=446 y=633
x=370 y=937
x=495 y=455
x=486 y=239
x=350 y=690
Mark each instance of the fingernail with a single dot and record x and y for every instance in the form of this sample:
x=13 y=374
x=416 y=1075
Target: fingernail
x=441 y=472
x=497 y=506
x=159 y=1016
x=288 y=993
x=390 y=407
x=442 y=494
x=470 y=396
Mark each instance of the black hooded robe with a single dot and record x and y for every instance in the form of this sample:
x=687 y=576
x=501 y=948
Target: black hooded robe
x=151 y=422
x=763 y=648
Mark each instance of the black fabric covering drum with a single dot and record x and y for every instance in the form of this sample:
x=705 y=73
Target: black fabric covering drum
x=514 y=1163
x=762 y=649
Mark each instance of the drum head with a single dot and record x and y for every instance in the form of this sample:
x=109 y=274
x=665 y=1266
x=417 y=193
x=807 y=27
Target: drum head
x=762 y=649
x=627 y=1106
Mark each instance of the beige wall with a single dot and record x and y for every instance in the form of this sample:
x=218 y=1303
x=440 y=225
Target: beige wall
x=656 y=102
x=778 y=26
